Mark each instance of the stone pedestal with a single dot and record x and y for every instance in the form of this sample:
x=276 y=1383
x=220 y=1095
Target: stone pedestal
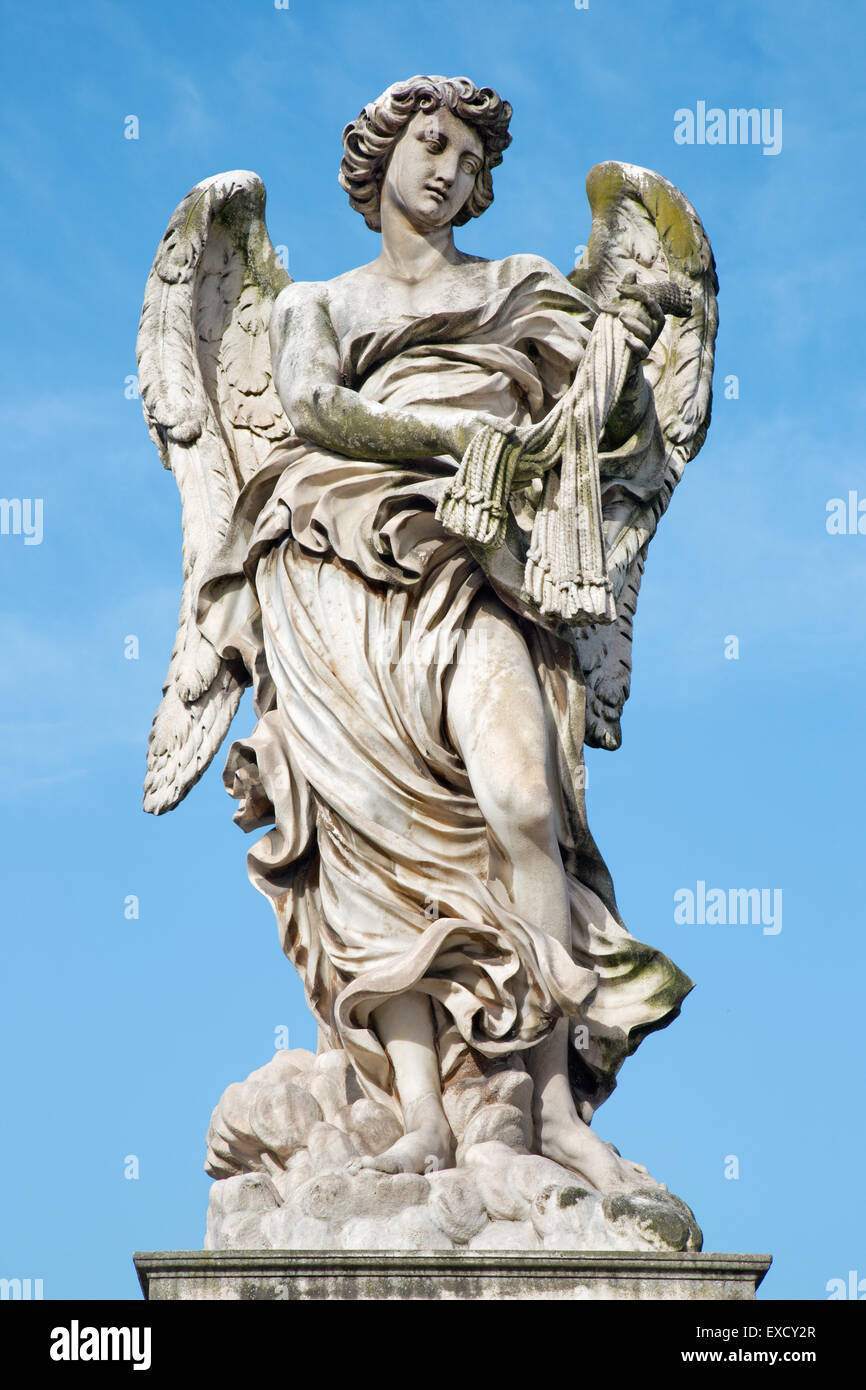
x=450 y=1274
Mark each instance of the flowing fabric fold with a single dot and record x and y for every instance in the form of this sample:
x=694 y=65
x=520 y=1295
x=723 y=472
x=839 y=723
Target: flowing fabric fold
x=349 y=601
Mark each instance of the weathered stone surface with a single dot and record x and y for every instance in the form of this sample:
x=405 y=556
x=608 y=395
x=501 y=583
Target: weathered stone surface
x=498 y=1182
x=506 y=1235
x=495 y=1123
x=456 y=1205
x=511 y=1087
x=373 y=1127
x=329 y=1083
x=297 y=1171
x=329 y=1148
x=249 y=1192
x=282 y=1116
x=287 y=1229
x=665 y=1222
x=562 y=1216
x=498 y=1196
x=328 y=1198
x=380 y=1194
x=466 y=1274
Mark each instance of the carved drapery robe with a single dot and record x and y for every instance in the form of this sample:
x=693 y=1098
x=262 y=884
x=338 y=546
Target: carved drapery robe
x=348 y=602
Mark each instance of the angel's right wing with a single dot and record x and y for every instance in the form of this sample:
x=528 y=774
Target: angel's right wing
x=204 y=372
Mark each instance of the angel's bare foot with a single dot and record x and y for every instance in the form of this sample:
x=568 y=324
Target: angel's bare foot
x=563 y=1136
x=567 y=1140
x=427 y=1145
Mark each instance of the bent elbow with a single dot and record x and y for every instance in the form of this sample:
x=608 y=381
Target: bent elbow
x=310 y=414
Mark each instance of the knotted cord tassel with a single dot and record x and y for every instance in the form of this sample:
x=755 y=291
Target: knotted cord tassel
x=475 y=504
x=565 y=573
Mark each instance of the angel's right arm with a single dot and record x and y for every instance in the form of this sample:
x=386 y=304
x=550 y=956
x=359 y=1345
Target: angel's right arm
x=306 y=366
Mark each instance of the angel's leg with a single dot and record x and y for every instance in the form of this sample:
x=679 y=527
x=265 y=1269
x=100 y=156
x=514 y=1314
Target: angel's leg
x=404 y=1025
x=496 y=720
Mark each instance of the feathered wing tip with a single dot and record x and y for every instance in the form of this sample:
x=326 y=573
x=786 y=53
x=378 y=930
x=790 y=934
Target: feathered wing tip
x=641 y=223
x=212 y=409
x=184 y=738
x=604 y=653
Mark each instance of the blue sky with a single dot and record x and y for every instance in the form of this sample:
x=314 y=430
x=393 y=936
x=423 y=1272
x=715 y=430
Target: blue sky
x=119 y=1035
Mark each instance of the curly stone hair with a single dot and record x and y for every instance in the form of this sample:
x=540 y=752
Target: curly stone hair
x=368 y=141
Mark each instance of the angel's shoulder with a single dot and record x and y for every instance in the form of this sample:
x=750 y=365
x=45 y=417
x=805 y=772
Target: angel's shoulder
x=526 y=263
x=298 y=295
x=302 y=311
x=317 y=297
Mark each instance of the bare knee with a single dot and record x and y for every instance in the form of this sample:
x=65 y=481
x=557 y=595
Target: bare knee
x=496 y=720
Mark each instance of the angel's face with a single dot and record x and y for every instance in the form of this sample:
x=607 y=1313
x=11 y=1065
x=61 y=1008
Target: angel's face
x=432 y=168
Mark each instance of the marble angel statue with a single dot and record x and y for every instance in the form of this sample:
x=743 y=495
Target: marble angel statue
x=417 y=500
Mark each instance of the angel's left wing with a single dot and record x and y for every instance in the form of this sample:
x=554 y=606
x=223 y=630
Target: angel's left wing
x=204 y=373
x=641 y=223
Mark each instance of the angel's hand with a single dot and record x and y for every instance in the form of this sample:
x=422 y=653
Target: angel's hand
x=639 y=313
x=457 y=433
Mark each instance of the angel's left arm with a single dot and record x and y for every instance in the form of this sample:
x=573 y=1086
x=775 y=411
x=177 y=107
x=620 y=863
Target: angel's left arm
x=643 y=321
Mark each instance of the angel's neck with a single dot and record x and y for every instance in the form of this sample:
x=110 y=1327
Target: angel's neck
x=409 y=253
